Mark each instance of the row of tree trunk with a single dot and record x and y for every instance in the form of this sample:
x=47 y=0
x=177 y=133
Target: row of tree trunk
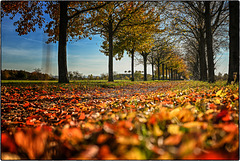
x=233 y=46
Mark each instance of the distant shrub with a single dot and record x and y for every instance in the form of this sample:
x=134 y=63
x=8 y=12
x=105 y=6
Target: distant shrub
x=24 y=75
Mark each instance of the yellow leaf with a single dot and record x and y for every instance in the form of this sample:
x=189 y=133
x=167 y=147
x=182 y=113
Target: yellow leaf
x=195 y=124
x=174 y=112
x=174 y=129
x=156 y=130
x=218 y=93
x=135 y=154
x=217 y=100
x=127 y=140
x=131 y=115
x=187 y=147
x=209 y=111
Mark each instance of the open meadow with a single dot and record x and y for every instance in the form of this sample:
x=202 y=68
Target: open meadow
x=119 y=120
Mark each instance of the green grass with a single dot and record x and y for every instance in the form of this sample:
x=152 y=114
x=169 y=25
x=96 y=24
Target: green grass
x=87 y=83
x=120 y=83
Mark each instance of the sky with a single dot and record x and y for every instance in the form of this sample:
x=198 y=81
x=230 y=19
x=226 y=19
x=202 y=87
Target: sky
x=28 y=52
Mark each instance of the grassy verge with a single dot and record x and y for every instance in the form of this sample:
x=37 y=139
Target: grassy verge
x=90 y=83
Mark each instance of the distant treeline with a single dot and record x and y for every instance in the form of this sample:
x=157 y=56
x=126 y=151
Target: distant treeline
x=24 y=75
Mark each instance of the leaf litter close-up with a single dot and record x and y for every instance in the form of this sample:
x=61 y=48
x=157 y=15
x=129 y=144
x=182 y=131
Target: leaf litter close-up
x=157 y=120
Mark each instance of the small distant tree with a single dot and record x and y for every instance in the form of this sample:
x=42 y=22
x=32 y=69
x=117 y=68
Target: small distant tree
x=70 y=75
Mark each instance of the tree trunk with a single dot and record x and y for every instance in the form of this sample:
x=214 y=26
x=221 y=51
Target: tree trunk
x=202 y=57
x=166 y=73
x=62 y=49
x=110 y=61
x=171 y=71
x=162 y=71
x=209 y=40
x=233 y=69
x=152 y=71
x=145 y=65
x=174 y=76
x=158 y=66
x=132 y=53
x=152 y=67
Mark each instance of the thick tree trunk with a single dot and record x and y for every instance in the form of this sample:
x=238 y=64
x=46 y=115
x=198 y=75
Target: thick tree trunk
x=209 y=40
x=233 y=69
x=110 y=61
x=62 y=49
x=162 y=71
x=145 y=66
x=196 y=74
x=202 y=57
x=171 y=73
x=132 y=53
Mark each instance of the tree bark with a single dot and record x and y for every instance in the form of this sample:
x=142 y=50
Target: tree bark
x=158 y=66
x=152 y=71
x=132 y=53
x=166 y=72
x=209 y=40
x=202 y=57
x=233 y=69
x=145 y=65
x=152 y=67
x=162 y=71
x=171 y=71
x=62 y=49
x=110 y=61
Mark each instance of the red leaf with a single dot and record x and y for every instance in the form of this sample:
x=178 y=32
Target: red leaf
x=26 y=104
x=7 y=143
x=222 y=114
x=152 y=120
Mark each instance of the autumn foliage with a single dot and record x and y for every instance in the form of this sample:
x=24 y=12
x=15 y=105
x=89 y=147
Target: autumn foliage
x=157 y=120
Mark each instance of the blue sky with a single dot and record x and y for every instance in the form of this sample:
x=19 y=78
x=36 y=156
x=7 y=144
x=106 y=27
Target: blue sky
x=27 y=53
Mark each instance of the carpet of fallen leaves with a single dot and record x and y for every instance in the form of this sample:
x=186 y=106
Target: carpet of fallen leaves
x=154 y=120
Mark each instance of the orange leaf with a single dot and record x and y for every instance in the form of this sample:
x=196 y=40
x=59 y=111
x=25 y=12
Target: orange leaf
x=32 y=142
x=231 y=127
x=173 y=140
x=82 y=116
x=226 y=118
x=102 y=138
x=212 y=106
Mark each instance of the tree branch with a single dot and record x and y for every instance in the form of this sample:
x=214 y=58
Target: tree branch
x=85 y=10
